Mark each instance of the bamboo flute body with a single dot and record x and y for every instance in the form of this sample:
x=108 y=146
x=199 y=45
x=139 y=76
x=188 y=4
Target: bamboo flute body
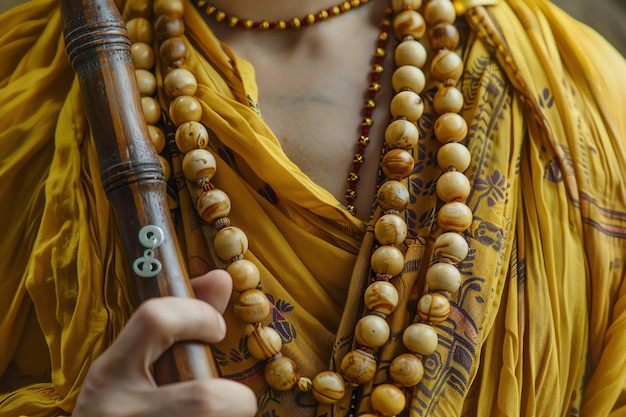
x=99 y=50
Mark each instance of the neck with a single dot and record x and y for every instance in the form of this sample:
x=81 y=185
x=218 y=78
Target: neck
x=273 y=10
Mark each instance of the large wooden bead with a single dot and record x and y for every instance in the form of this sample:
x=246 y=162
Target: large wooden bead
x=175 y=7
x=454 y=217
x=180 y=82
x=264 y=343
x=252 y=306
x=230 y=242
x=409 y=23
x=401 y=134
x=450 y=246
x=213 y=204
x=387 y=260
x=397 y=164
x=443 y=277
x=185 y=109
x=454 y=155
x=399 y=5
x=146 y=82
x=407 y=104
x=453 y=186
x=328 y=387
x=281 y=374
x=388 y=400
x=245 y=275
x=199 y=164
x=450 y=127
x=151 y=109
x=393 y=195
x=381 y=296
x=408 y=77
x=168 y=26
x=420 y=338
x=448 y=99
x=447 y=66
x=372 y=331
x=390 y=229
x=142 y=55
x=439 y=11
x=406 y=370
x=174 y=52
x=443 y=36
x=167 y=170
x=140 y=30
x=410 y=52
x=157 y=137
x=358 y=367
x=138 y=8
x=190 y=136
x=433 y=308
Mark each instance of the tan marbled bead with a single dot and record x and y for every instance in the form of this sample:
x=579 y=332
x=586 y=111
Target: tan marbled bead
x=439 y=11
x=390 y=229
x=393 y=195
x=142 y=55
x=410 y=52
x=199 y=164
x=420 y=338
x=168 y=26
x=213 y=204
x=264 y=343
x=245 y=275
x=185 y=109
x=454 y=217
x=140 y=30
x=173 y=52
x=433 y=307
x=453 y=186
x=381 y=296
x=328 y=387
x=407 y=104
x=358 y=367
x=388 y=400
x=138 y=8
x=372 y=331
x=406 y=370
x=448 y=99
x=167 y=170
x=252 y=306
x=401 y=134
x=450 y=127
x=151 y=109
x=146 y=82
x=443 y=276
x=447 y=66
x=454 y=155
x=176 y=7
x=230 y=242
x=281 y=374
x=450 y=246
x=409 y=23
x=399 y=5
x=443 y=35
x=387 y=260
x=157 y=137
x=397 y=164
x=190 y=136
x=408 y=76
x=180 y=82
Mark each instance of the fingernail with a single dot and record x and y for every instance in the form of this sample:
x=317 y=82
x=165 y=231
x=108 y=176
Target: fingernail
x=221 y=323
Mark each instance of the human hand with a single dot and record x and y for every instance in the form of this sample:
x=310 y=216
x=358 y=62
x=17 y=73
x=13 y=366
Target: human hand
x=119 y=382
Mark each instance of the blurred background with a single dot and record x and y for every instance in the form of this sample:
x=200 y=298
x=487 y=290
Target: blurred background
x=606 y=16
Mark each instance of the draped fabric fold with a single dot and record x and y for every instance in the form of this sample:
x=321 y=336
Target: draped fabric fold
x=538 y=327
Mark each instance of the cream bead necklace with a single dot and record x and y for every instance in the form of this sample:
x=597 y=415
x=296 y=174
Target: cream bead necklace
x=387 y=261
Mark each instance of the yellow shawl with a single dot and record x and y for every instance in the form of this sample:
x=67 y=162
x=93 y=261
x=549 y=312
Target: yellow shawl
x=538 y=327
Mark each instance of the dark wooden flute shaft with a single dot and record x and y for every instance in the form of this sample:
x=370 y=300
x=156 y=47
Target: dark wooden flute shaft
x=99 y=50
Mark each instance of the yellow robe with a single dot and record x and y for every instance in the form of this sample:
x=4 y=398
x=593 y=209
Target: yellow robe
x=538 y=327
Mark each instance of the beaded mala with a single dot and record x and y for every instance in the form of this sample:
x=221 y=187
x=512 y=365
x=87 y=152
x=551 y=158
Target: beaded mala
x=387 y=261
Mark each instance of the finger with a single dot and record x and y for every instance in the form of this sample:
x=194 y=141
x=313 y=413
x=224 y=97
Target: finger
x=207 y=397
x=160 y=322
x=214 y=287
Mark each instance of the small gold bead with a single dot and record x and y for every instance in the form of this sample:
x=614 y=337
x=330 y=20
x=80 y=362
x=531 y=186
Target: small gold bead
x=364 y=140
x=220 y=15
x=295 y=23
x=248 y=23
x=310 y=19
x=232 y=21
x=264 y=24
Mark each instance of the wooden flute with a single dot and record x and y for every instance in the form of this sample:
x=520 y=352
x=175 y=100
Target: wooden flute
x=99 y=50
